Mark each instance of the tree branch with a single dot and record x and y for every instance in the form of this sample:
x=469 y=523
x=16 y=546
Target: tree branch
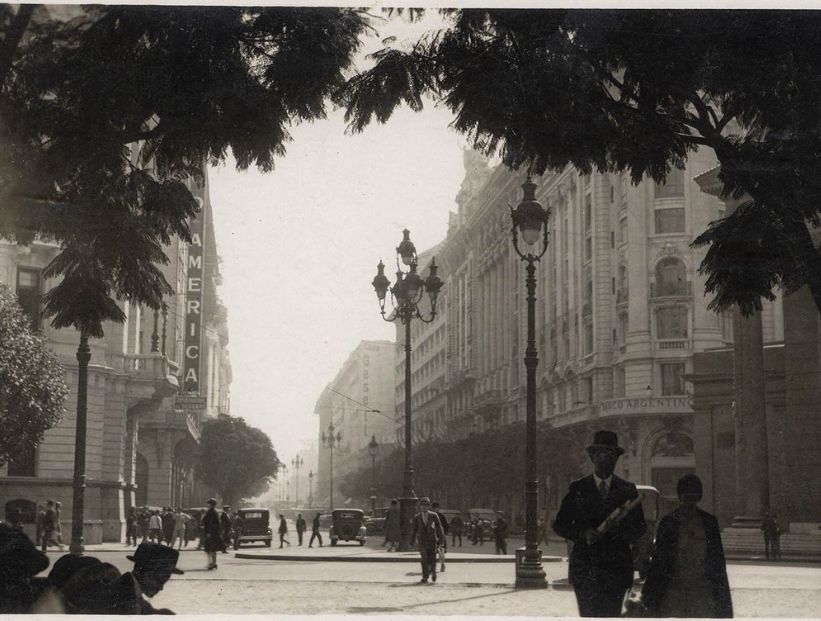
x=14 y=34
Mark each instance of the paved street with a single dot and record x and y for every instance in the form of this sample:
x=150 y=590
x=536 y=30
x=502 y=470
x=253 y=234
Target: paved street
x=473 y=588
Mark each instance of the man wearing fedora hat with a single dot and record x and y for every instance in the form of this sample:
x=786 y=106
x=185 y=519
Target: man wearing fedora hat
x=428 y=528
x=211 y=533
x=601 y=563
x=154 y=565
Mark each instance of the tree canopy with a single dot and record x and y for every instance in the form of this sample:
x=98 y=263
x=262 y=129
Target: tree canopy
x=637 y=91
x=235 y=459
x=107 y=113
x=32 y=390
x=485 y=469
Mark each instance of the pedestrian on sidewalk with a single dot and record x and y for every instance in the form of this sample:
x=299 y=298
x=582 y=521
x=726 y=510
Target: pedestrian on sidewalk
x=315 y=534
x=58 y=523
x=50 y=528
x=392 y=526
x=500 y=533
x=687 y=574
x=168 y=523
x=300 y=527
x=428 y=529
x=543 y=532
x=772 y=536
x=456 y=525
x=211 y=533
x=38 y=524
x=601 y=563
x=478 y=531
x=225 y=523
x=443 y=547
x=155 y=527
x=283 y=530
x=131 y=527
x=178 y=534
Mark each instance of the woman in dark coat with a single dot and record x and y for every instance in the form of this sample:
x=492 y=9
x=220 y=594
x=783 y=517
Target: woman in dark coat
x=687 y=574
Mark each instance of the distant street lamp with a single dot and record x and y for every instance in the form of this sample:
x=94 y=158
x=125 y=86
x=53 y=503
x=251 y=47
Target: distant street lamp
x=332 y=441
x=373 y=449
x=297 y=464
x=405 y=297
x=530 y=219
x=310 y=488
x=288 y=491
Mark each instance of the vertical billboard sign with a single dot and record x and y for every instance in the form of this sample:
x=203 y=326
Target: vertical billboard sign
x=193 y=298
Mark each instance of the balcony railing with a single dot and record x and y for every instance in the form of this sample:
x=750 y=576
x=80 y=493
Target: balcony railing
x=680 y=344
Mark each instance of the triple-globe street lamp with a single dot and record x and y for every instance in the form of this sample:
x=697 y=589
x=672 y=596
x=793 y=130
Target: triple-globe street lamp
x=331 y=440
x=530 y=221
x=406 y=294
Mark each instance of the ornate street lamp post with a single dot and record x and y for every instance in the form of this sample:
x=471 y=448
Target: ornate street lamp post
x=406 y=294
x=297 y=464
x=530 y=219
x=310 y=488
x=332 y=441
x=373 y=449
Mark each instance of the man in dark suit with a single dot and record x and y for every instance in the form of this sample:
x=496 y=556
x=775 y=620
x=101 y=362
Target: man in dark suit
x=428 y=528
x=601 y=563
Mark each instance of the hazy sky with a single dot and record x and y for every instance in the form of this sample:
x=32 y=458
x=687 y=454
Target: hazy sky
x=300 y=247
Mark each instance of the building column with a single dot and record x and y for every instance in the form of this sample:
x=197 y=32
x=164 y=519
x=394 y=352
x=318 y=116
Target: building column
x=752 y=463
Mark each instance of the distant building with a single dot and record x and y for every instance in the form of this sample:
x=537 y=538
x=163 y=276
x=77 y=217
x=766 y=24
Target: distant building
x=363 y=383
x=142 y=430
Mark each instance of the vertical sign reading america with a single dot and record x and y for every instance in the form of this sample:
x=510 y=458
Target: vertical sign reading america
x=193 y=298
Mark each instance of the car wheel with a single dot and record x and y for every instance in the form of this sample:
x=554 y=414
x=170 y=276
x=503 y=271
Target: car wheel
x=362 y=542
x=268 y=543
x=333 y=542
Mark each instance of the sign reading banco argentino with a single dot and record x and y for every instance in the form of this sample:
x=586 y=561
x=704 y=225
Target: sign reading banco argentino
x=646 y=405
x=193 y=298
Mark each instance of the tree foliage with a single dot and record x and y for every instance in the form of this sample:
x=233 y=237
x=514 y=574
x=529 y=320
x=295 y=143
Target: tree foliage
x=235 y=459
x=32 y=390
x=107 y=113
x=637 y=91
x=486 y=469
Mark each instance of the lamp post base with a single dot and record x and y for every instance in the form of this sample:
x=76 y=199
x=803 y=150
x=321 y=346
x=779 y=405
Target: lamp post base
x=407 y=509
x=529 y=572
x=77 y=547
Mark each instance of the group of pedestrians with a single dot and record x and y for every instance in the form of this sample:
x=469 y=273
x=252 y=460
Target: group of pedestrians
x=601 y=514
x=79 y=584
x=173 y=527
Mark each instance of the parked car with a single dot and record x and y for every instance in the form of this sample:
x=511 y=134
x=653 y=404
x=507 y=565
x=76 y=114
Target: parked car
x=375 y=524
x=347 y=525
x=256 y=525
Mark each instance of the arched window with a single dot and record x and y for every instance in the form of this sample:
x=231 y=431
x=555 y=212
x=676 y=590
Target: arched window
x=671 y=277
x=673 y=444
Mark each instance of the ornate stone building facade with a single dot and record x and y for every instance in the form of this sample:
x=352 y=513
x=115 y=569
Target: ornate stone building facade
x=620 y=313
x=363 y=383
x=141 y=433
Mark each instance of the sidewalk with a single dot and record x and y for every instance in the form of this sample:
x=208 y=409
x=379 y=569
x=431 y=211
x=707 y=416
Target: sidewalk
x=358 y=554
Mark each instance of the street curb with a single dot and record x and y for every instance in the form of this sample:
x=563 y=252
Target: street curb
x=410 y=558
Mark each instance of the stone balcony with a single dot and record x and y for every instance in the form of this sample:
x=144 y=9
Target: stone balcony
x=152 y=377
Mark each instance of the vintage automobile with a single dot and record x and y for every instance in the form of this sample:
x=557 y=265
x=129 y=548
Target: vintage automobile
x=487 y=517
x=375 y=524
x=347 y=525
x=256 y=526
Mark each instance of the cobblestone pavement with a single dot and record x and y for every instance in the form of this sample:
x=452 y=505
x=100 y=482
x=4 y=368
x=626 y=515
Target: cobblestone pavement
x=316 y=587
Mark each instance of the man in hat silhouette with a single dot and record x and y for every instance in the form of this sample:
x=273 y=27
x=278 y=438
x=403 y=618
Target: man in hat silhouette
x=601 y=563
x=154 y=565
x=20 y=561
x=211 y=533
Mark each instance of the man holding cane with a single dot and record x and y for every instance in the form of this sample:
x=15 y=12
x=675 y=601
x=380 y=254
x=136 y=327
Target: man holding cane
x=602 y=515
